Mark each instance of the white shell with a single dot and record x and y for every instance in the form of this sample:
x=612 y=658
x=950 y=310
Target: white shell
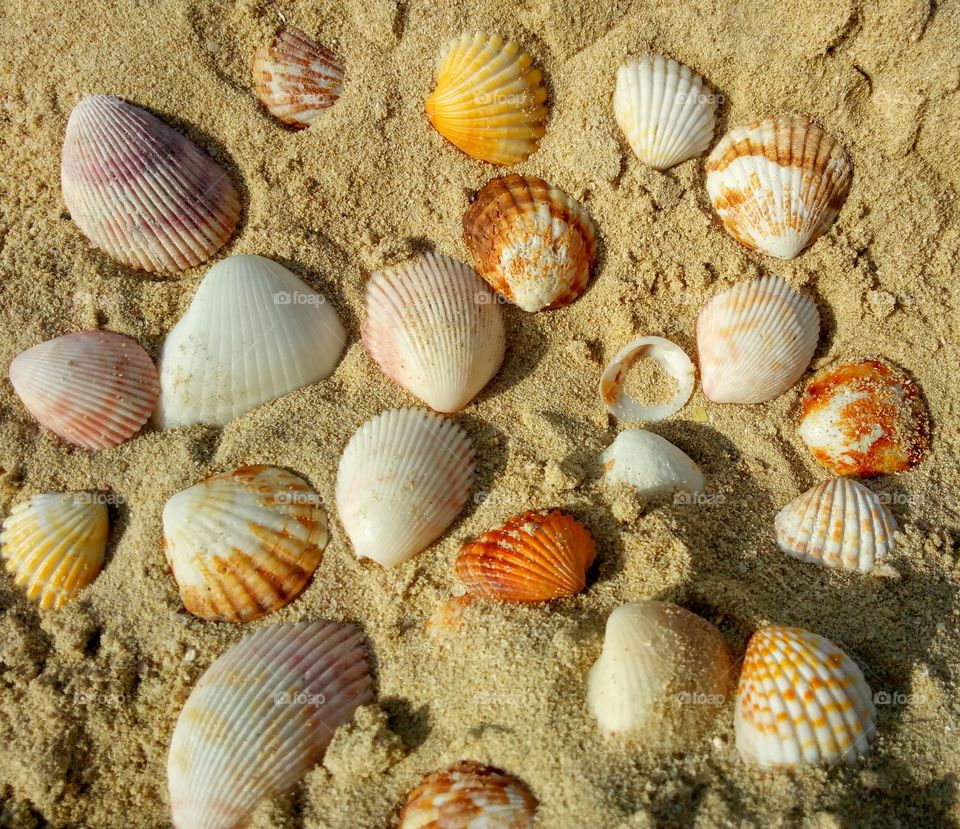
x=260 y=717
x=650 y=464
x=253 y=333
x=434 y=327
x=671 y=358
x=403 y=478
x=664 y=109
x=755 y=341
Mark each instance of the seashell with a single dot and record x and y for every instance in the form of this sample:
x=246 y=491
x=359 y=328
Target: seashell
x=865 y=418
x=650 y=464
x=254 y=332
x=296 y=78
x=755 y=340
x=403 y=478
x=534 y=557
x=489 y=101
x=838 y=523
x=778 y=184
x=94 y=389
x=670 y=357
x=469 y=796
x=663 y=674
x=801 y=700
x=243 y=543
x=531 y=241
x=433 y=327
x=665 y=110
x=140 y=191
x=54 y=545
x=260 y=717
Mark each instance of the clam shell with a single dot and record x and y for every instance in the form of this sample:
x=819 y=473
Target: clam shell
x=671 y=358
x=296 y=78
x=778 y=184
x=838 y=523
x=531 y=241
x=665 y=110
x=260 y=717
x=865 y=419
x=243 y=543
x=534 y=557
x=469 y=796
x=54 y=545
x=94 y=389
x=433 y=326
x=489 y=101
x=662 y=677
x=650 y=464
x=403 y=478
x=254 y=332
x=140 y=191
x=755 y=341
x=801 y=700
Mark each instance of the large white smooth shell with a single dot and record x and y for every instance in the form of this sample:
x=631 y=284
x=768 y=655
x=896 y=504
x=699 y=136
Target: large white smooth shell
x=671 y=358
x=435 y=328
x=261 y=717
x=253 y=333
x=650 y=464
x=403 y=478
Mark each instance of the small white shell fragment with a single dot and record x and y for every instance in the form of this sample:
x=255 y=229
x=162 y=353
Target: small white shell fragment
x=650 y=464
x=671 y=358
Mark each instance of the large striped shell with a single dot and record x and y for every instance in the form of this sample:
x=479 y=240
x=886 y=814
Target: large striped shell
x=243 y=543
x=260 y=717
x=650 y=464
x=142 y=192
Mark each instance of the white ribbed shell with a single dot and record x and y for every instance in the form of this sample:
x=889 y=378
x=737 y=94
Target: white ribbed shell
x=650 y=464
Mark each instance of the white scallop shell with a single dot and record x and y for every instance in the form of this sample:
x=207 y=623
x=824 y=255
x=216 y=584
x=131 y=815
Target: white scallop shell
x=253 y=333
x=403 y=478
x=671 y=358
x=650 y=464
x=434 y=327
x=665 y=110
x=755 y=341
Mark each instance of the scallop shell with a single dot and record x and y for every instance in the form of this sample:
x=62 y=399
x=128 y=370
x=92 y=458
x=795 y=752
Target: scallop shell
x=778 y=184
x=665 y=110
x=243 y=543
x=260 y=717
x=650 y=464
x=403 y=478
x=865 y=419
x=469 y=796
x=54 y=545
x=295 y=78
x=663 y=675
x=253 y=333
x=801 y=700
x=433 y=326
x=838 y=523
x=755 y=341
x=534 y=557
x=671 y=358
x=94 y=389
x=140 y=191
x=531 y=241
x=489 y=101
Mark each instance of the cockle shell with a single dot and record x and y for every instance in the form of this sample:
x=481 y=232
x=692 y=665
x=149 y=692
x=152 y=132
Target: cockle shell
x=469 y=796
x=801 y=700
x=94 y=389
x=253 y=333
x=296 y=78
x=755 y=340
x=531 y=241
x=54 y=545
x=865 y=418
x=663 y=675
x=489 y=100
x=666 y=111
x=243 y=543
x=260 y=717
x=534 y=557
x=778 y=184
x=140 y=191
x=838 y=523
x=433 y=326
x=403 y=478
x=650 y=464
x=671 y=358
